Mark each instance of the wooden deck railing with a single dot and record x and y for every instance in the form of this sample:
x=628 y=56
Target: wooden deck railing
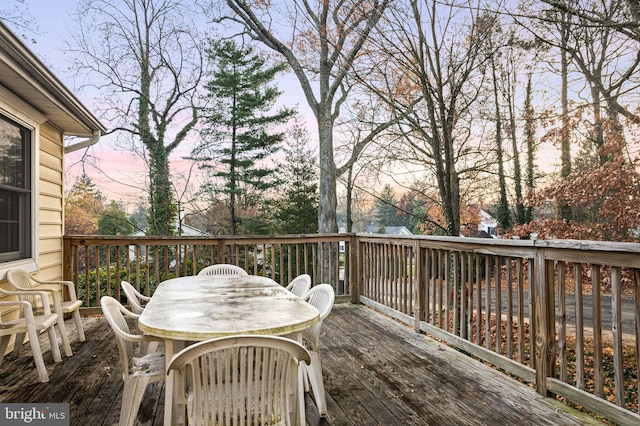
x=563 y=315
x=97 y=264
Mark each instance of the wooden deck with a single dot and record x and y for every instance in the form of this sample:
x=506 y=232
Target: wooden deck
x=377 y=371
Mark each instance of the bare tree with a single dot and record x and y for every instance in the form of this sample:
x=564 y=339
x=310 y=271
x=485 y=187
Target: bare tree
x=504 y=217
x=436 y=76
x=321 y=41
x=144 y=59
x=16 y=14
x=511 y=54
x=604 y=42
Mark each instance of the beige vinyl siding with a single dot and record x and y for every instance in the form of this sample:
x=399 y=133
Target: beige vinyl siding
x=50 y=202
x=50 y=245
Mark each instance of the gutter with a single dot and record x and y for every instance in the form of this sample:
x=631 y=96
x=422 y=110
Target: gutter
x=83 y=144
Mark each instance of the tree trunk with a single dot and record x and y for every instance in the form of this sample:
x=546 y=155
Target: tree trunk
x=328 y=200
x=517 y=168
x=162 y=210
x=503 y=204
x=349 y=219
x=565 y=141
x=529 y=131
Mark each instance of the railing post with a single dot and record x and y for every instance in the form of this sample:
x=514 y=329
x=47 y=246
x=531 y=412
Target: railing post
x=67 y=260
x=544 y=318
x=221 y=244
x=356 y=257
x=419 y=284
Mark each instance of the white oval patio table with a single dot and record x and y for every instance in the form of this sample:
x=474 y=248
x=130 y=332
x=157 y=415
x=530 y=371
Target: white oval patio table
x=196 y=308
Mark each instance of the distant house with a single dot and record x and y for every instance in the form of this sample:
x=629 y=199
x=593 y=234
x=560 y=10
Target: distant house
x=37 y=114
x=185 y=231
x=138 y=251
x=390 y=230
x=487 y=227
x=488 y=224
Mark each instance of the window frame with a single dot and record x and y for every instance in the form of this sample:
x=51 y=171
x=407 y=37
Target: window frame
x=18 y=111
x=24 y=193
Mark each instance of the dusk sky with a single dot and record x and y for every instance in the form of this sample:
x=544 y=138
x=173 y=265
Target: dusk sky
x=123 y=174
x=120 y=175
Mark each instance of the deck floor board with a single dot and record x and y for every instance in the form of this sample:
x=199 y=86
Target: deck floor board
x=377 y=372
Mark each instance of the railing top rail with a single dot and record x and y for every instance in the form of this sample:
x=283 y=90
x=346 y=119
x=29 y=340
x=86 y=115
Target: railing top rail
x=229 y=239
x=586 y=245
x=491 y=246
x=457 y=240
x=511 y=247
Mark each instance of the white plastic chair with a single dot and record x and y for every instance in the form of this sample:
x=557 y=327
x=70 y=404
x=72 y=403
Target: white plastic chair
x=32 y=325
x=136 y=299
x=136 y=302
x=300 y=285
x=322 y=298
x=137 y=372
x=223 y=269
x=242 y=380
x=23 y=281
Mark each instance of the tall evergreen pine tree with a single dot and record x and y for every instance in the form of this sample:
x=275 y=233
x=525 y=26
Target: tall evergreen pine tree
x=238 y=123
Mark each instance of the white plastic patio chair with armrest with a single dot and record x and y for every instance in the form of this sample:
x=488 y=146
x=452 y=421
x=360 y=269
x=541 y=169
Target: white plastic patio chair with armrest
x=300 y=285
x=222 y=269
x=322 y=298
x=136 y=302
x=24 y=281
x=138 y=369
x=136 y=299
x=32 y=325
x=252 y=379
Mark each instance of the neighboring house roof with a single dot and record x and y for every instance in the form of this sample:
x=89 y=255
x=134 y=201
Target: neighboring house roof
x=486 y=219
x=486 y=228
x=22 y=73
x=187 y=231
x=390 y=230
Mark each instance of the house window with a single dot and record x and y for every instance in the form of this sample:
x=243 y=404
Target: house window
x=15 y=191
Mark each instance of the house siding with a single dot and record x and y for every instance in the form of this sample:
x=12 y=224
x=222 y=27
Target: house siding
x=50 y=202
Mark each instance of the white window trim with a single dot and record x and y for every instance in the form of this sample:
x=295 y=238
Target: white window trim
x=22 y=113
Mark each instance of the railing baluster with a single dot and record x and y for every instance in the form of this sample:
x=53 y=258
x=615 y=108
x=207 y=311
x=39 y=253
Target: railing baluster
x=616 y=329
x=440 y=306
x=487 y=301
x=498 y=304
x=577 y=278
x=521 y=324
x=509 y=288
x=107 y=260
x=636 y=292
x=598 y=374
x=478 y=319
x=562 y=321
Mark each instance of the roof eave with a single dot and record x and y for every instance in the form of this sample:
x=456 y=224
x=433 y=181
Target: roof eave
x=27 y=77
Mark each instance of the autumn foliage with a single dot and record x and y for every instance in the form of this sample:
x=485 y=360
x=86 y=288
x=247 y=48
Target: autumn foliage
x=605 y=200
x=83 y=206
